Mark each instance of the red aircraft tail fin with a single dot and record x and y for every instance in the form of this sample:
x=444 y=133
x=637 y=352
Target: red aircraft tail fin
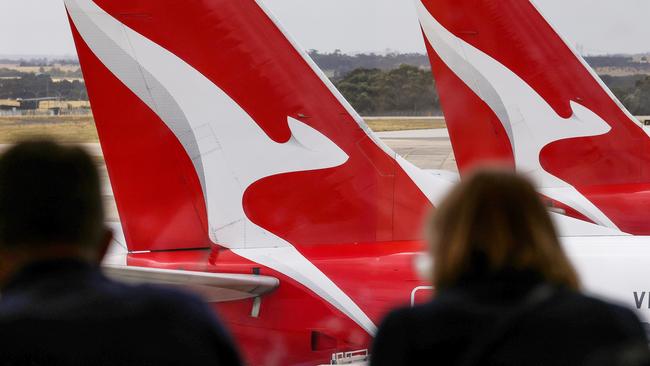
x=216 y=128
x=514 y=91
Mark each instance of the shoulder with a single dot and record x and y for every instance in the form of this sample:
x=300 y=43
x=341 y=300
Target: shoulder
x=390 y=346
x=396 y=319
x=405 y=317
x=590 y=305
x=163 y=294
x=411 y=320
x=167 y=299
x=196 y=322
x=176 y=307
x=146 y=302
x=605 y=315
x=439 y=310
x=396 y=325
x=407 y=333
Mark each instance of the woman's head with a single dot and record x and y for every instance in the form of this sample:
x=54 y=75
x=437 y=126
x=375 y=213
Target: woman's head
x=494 y=221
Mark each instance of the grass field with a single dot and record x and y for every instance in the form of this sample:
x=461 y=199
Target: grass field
x=69 y=129
x=381 y=124
x=78 y=129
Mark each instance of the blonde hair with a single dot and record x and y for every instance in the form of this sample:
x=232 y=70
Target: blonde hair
x=495 y=221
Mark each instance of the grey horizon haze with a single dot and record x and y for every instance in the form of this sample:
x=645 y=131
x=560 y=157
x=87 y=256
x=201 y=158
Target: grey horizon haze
x=40 y=27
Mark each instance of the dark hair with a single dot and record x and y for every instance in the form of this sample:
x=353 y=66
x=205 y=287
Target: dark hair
x=495 y=221
x=49 y=194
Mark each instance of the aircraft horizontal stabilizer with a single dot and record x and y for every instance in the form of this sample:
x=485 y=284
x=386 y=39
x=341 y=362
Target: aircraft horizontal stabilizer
x=213 y=287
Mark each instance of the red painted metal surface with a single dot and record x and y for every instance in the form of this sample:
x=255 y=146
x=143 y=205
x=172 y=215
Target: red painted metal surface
x=369 y=198
x=606 y=169
x=325 y=214
x=379 y=277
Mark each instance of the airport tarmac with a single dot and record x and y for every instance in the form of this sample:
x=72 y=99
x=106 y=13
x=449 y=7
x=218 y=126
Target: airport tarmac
x=427 y=149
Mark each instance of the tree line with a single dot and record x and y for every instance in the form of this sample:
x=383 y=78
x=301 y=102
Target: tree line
x=15 y=85
x=337 y=64
x=409 y=90
x=393 y=84
x=637 y=98
x=406 y=90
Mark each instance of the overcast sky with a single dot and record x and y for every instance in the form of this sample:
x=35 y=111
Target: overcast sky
x=40 y=27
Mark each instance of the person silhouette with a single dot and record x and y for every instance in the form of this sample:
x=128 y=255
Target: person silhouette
x=56 y=306
x=506 y=293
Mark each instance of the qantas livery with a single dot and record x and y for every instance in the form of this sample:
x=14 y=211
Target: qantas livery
x=229 y=152
x=240 y=172
x=513 y=91
x=516 y=94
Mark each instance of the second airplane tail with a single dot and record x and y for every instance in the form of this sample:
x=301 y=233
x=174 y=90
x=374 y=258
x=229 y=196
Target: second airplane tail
x=512 y=89
x=515 y=92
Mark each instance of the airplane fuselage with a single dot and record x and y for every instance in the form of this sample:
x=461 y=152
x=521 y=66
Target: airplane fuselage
x=626 y=204
x=293 y=325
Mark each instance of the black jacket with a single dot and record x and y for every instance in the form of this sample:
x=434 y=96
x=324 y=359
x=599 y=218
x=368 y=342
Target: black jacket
x=67 y=313
x=562 y=328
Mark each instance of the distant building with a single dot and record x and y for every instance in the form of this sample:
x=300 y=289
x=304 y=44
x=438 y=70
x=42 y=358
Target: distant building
x=33 y=103
x=9 y=105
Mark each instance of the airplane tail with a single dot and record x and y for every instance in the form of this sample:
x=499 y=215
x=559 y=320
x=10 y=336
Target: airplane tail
x=217 y=128
x=515 y=92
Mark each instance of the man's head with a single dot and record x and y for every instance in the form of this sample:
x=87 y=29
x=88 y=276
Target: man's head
x=50 y=203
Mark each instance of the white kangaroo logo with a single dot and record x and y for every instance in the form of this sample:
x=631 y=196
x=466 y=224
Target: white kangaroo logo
x=530 y=122
x=229 y=150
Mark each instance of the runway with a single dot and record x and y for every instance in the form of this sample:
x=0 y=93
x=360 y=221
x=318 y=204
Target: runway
x=427 y=149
